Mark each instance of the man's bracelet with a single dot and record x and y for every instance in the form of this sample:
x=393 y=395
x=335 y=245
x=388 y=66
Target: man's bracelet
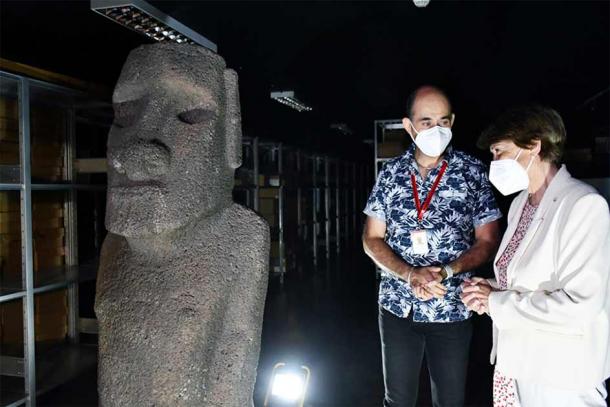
x=447 y=272
x=409 y=277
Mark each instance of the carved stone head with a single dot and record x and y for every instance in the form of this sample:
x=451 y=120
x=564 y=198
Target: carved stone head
x=175 y=141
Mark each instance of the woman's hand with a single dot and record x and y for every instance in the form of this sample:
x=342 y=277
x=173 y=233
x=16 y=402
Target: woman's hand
x=475 y=294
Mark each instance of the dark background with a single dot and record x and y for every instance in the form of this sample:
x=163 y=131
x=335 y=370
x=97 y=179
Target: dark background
x=355 y=62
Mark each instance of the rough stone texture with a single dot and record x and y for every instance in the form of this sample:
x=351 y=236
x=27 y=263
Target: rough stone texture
x=183 y=271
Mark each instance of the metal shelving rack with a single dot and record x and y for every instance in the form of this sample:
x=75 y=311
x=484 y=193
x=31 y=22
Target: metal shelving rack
x=380 y=129
x=381 y=126
x=51 y=369
x=273 y=180
x=322 y=192
x=247 y=175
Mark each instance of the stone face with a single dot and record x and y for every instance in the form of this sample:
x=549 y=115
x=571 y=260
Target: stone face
x=175 y=141
x=183 y=271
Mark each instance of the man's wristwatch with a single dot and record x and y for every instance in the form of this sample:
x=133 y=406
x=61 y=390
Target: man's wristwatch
x=446 y=272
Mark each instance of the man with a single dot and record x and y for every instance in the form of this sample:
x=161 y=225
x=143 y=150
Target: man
x=432 y=218
x=183 y=270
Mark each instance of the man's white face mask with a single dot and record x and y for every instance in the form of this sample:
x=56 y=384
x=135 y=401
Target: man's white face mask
x=432 y=141
x=508 y=176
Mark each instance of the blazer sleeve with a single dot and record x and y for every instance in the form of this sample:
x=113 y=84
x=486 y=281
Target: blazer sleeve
x=581 y=272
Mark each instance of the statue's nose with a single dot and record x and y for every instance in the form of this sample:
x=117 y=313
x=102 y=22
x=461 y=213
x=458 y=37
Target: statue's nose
x=142 y=160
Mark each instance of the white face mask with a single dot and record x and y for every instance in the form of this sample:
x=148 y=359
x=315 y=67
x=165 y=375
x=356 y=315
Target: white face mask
x=432 y=141
x=508 y=176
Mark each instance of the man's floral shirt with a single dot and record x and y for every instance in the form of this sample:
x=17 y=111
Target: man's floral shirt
x=462 y=202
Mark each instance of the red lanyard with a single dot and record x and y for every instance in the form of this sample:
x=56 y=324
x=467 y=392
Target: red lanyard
x=422 y=208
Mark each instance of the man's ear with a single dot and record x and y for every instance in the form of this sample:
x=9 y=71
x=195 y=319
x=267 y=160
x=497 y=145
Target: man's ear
x=232 y=119
x=452 y=119
x=408 y=125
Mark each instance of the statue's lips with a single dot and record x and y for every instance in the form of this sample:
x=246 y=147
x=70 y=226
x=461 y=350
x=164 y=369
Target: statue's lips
x=141 y=187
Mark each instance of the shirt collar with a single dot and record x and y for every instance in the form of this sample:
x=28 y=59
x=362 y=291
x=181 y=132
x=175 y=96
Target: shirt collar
x=408 y=158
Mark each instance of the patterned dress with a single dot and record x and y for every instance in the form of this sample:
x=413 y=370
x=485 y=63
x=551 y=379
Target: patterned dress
x=504 y=391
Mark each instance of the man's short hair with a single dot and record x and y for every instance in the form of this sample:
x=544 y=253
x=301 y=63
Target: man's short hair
x=523 y=125
x=411 y=98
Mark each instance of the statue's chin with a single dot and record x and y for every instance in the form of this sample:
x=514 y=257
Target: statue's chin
x=139 y=216
x=123 y=227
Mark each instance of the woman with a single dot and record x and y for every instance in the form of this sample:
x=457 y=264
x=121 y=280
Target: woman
x=549 y=302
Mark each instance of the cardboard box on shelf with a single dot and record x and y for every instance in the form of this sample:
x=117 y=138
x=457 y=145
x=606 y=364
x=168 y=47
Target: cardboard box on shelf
x=269 y=192
x=267 y=205
x=46 y=212
x=44 y=202
x=396 y=135
x=10 y=222
x=50 y=318
x=270 y=218
x=51 y=315
x=50 y=234
x=261 y=180
x=9 y=108
x=91 y=165
x=48 y=262
x=9 y=135
x=390 y=149
x=10 y=248
x=45 y=244
x=45 y=251
x=53 y=223
x=274 y=249
x=11 y=323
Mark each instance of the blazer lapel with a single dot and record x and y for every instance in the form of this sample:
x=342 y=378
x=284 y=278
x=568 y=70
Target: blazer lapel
x=547 y=207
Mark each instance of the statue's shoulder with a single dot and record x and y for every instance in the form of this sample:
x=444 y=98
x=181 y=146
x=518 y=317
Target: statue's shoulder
x=243 y=227
x=113 y=243
x=113 y=248
x=246 y=220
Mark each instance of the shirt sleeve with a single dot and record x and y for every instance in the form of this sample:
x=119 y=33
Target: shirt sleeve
x=375 y=205
x=485 y=206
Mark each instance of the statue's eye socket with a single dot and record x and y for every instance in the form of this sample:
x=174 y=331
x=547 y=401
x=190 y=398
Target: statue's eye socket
x=126 y=113
x=195 y=116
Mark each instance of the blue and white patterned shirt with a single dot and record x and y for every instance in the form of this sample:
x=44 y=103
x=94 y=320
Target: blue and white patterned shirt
x=462 y=202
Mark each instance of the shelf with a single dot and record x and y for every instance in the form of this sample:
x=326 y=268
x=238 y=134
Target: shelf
x=56 y=363
x=10 y=174
x=50 y=280
x=68 y=187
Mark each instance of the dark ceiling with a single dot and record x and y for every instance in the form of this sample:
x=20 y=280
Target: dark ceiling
x=354 y=62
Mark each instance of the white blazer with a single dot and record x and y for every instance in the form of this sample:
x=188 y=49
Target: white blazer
x=552 y=324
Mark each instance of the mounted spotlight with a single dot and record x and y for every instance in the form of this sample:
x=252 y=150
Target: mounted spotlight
x=287 y=98
x=421 y=3
x=141 y=17
x=288 y=386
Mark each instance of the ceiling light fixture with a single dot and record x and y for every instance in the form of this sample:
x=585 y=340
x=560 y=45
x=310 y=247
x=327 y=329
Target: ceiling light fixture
x=287 y=98
x=141 y=17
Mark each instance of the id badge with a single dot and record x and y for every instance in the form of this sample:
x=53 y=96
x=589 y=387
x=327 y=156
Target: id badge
x=419 y=241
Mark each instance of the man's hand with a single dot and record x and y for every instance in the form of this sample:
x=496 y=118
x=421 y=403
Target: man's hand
x=475 y=294
x=426 y=282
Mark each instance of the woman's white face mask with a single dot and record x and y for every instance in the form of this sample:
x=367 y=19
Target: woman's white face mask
x=432 y=141
x=508 y=176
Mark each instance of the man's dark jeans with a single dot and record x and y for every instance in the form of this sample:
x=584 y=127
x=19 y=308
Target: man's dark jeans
x=403 y=343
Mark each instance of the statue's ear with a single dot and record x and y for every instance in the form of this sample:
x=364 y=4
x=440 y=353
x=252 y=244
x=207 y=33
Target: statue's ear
x=232 y=119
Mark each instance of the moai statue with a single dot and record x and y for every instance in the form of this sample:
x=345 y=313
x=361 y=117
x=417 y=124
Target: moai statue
x=183 y=272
